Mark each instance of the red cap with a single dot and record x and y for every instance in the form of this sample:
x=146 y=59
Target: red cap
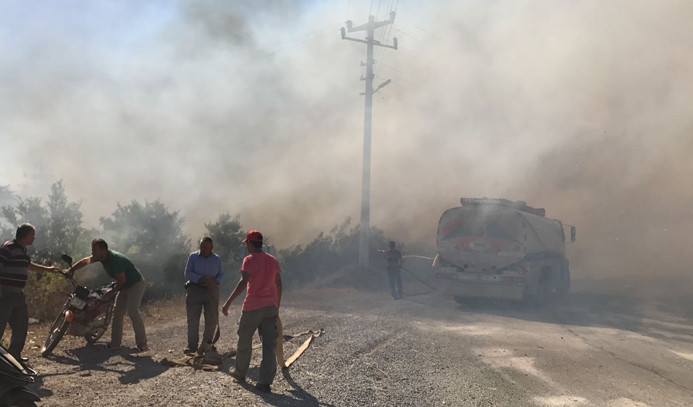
x=253 y=236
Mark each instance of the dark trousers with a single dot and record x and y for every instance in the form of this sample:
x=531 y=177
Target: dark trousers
x=198 y=297
x=13 y=310
x=395 y=278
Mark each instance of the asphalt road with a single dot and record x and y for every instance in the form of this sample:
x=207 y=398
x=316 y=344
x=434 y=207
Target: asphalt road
x=424 y=350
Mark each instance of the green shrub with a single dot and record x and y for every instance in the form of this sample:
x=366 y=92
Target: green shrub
x=330 y=256
x=46 y=294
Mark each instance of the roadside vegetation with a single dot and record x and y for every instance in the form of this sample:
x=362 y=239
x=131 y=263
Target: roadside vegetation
x=152 y=236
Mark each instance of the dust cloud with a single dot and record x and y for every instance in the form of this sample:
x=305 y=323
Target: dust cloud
x=253 y=108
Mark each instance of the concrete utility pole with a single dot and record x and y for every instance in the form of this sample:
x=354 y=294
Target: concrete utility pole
x=370 y=41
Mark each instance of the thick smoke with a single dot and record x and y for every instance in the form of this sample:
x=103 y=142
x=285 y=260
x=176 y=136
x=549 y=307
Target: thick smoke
x=253 y=108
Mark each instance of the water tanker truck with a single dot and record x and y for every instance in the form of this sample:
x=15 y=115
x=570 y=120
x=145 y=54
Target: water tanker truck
x=496 y=248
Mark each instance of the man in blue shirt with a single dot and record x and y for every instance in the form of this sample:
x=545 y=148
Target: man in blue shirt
x=203 y=272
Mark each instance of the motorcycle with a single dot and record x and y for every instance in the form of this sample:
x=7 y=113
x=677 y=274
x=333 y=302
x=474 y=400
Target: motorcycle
x=14 y=377
x=84 y=314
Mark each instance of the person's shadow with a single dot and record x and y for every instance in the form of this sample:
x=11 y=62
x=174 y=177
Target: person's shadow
x=298 y=398
x=85 y=359
x=302 y=397
x=145 y=368
x=93 y=358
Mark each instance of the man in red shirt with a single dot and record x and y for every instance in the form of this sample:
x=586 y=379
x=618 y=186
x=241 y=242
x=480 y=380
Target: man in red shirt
x=261 y=276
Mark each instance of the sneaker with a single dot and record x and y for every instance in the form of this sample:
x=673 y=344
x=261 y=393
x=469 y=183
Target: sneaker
x=263 y=388
x=190 y=349
x=237 y=377
x=141 y=348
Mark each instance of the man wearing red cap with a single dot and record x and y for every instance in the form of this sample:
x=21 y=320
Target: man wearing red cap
x=261 y=276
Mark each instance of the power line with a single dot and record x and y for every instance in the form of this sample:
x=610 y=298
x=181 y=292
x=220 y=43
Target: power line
x=388 y=29
x=424 y=31
x=408 y=35
x=377 y=13
x=384 y=31
x=385 y=37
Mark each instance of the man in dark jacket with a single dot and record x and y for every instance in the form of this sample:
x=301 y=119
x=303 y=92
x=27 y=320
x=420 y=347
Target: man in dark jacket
x=394 y=265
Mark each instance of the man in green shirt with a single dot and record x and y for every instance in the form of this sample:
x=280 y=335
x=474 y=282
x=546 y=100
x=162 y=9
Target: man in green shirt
x=129 y=289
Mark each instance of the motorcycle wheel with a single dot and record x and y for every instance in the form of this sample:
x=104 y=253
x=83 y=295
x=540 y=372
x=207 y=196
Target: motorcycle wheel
x=57 y=330
x=100 y=325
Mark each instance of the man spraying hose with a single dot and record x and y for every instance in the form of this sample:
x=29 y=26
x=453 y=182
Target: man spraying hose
x=394 y=265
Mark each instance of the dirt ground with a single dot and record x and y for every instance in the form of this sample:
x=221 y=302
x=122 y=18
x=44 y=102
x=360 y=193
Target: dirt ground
x=423 y=350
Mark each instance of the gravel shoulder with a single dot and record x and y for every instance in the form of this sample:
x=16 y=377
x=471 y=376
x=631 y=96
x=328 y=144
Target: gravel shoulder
x=421 y=351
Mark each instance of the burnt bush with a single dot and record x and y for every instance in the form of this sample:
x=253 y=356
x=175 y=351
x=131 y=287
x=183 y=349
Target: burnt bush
x=332 y=259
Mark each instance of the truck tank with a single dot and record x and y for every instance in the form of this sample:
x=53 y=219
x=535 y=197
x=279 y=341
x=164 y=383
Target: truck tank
x=496 y=248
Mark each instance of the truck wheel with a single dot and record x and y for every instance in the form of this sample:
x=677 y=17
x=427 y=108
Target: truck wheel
x=544 y=294
x=565 y=285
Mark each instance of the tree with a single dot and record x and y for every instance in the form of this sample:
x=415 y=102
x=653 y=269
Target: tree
x=27 y=210
x=7 y=197
x=58 y=223
x=153 y=238
x=227 y=234
x=64 y=223
x=327 y=254
x=58 y=230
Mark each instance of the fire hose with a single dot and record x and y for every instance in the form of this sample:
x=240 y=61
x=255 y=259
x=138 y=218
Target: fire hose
x=211 y=360
x=414 y=274
x=202 y=363
x=419 y=278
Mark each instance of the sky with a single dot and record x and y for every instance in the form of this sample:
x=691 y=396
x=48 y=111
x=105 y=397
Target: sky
x=252 y=108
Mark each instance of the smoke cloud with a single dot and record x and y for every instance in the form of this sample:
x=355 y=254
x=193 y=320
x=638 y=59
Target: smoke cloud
x=252 y=108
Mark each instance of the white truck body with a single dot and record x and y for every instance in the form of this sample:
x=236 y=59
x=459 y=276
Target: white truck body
x=495 y=248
